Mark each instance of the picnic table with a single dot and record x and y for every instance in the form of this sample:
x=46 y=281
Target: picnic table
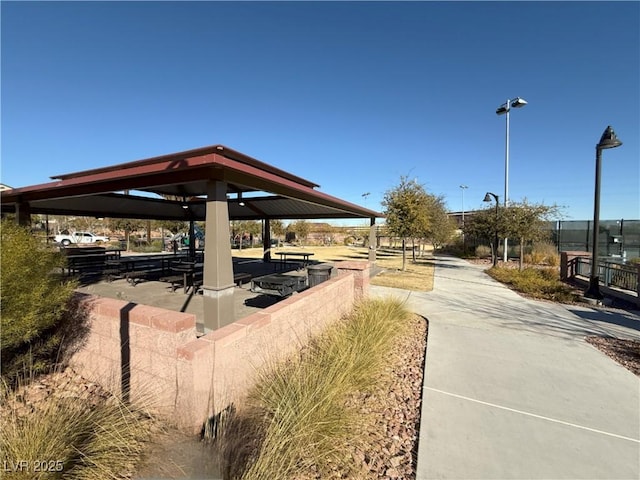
x=188 y=271
x=304 y=255
x=88 y=259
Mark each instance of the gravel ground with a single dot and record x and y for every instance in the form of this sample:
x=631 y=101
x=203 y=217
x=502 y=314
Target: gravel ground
x=625 y=352
x=391 y=415
x=393 y=446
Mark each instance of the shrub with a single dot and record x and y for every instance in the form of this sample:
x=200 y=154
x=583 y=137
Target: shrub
x=349 y=240
x=482 y=251
x=536 y=282
x=33 y=298
x=553 y=260
x=545 y=253
x=73 y=436
x=144 y=247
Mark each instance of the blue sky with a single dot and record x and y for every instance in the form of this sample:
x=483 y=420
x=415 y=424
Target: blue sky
x=350 y=95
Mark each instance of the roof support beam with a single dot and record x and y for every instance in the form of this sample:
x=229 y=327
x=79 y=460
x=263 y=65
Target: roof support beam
x=217 y=285
x=23 y=213
x=373 y=240
x=266 y=241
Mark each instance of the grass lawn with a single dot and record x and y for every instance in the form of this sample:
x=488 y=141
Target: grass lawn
x=417 y=276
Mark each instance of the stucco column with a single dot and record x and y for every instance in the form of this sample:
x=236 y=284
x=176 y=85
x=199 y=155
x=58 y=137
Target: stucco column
x=23 y=214
x=217 y=286
x=372 y=241
x=266 y=241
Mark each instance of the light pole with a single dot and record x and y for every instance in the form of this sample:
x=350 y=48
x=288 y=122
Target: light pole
x=487 y=198
x=504 y=109
x=608 y=140
x=366 y=235
x=463 y=188
x=464 y=243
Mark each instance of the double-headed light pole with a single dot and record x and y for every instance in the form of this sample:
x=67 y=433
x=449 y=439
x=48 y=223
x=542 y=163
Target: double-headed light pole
x=504 y=109
x=608 y=140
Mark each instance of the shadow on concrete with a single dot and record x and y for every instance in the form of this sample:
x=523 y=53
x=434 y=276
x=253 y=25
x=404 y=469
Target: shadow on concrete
x=620 y=318
x=262 y=301
x=125 y=352
x=187 y=301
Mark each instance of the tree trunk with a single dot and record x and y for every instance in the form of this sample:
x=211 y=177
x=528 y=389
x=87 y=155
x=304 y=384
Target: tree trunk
x=413 y=250
x=521 y=261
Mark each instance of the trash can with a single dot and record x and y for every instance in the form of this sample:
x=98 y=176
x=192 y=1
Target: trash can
x=319 y=273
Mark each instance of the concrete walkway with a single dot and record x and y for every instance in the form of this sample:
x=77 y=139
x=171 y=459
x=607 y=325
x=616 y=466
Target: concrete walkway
x=512 y=390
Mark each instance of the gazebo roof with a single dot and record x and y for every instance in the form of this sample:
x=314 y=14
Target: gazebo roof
x=174 y=187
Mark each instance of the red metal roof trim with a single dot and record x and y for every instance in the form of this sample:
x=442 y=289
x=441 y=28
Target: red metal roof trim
x=186 y=155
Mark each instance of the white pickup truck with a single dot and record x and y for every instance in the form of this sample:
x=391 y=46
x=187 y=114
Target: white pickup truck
x=80 y=238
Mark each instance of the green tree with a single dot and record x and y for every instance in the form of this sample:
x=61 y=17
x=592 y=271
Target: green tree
x=32 y=299
x=174 y=226
x=241 y=229
x=484 y=226
x=127 y=225
x=277 y=229
x=406 y=208
x=526 y=222
x=440 y=227
x=301 y=228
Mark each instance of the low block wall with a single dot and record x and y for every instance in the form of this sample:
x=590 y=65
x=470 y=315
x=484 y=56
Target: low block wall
x=567 y=263
x=148 y=352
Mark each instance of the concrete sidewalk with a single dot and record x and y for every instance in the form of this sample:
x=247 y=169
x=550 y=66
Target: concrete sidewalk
x=511 y=388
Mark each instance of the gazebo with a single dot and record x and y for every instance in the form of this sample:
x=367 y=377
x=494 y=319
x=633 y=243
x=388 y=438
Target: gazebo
x=215 y=184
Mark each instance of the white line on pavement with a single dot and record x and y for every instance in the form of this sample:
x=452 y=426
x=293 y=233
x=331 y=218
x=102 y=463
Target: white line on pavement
x=533 y=415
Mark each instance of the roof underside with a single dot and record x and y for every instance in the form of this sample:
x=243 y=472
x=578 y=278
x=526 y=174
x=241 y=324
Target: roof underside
x=181 y=180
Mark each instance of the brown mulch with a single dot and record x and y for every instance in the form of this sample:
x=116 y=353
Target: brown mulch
x=625 y=352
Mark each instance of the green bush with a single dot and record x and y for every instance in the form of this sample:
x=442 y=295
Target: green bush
x=144 y=247
x=33 y=299
x=536 y=282
x=482 y=251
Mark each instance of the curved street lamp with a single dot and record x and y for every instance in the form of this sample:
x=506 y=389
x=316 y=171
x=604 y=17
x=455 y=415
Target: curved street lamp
x=608 y=140
x=504 y=109
x=487 y=198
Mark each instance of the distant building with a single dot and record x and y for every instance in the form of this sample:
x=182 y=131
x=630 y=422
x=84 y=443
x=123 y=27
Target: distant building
x=4 y=187
x=457 y=216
